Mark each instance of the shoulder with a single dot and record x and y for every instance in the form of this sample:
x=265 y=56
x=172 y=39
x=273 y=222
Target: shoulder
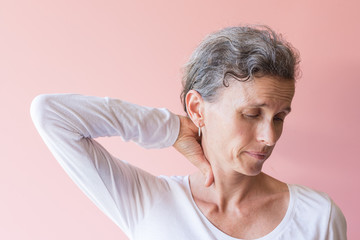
x=306 y=194
x=310 y=200
x=317 y=208
x=175 y=183
x=175 y=197
x=178 y=189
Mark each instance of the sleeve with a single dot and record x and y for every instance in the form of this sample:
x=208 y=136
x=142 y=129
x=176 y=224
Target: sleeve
x=68 y=124
x=337 y=228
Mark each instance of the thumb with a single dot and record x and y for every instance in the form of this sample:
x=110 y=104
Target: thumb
x=209 y=178
x=204 y=166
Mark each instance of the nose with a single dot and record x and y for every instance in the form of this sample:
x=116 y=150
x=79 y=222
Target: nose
x=267 y=134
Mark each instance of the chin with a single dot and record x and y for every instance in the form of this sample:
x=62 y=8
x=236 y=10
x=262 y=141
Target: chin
x=252 y=168
x=251 y=172
x=255 y=173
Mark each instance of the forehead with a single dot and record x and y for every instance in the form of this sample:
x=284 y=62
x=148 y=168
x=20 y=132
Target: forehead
x=264 y=90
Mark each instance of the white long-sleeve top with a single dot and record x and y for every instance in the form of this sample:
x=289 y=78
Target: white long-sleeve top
x=146 y=206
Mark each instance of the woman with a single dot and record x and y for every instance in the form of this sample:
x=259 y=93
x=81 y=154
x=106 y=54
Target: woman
x=238 y=88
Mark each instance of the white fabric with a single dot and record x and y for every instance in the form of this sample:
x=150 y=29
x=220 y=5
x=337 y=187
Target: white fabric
x=142 y=205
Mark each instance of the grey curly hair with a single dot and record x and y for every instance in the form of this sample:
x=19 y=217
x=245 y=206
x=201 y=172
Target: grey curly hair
x=240 y=53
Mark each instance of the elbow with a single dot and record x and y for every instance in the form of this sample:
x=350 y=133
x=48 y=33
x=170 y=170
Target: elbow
x=39 y=109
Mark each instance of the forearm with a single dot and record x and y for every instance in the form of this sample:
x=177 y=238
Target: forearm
x=90 y=117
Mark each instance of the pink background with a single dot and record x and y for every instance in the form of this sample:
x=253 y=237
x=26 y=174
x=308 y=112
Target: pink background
x=134 y=50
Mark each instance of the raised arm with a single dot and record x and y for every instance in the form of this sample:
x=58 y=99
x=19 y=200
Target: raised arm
x=68 y=124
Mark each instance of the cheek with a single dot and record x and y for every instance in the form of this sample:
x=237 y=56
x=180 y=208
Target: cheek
x=226 y=131
x=230 y=137
x=218 y=133
x=241 y=140
x=243 y=136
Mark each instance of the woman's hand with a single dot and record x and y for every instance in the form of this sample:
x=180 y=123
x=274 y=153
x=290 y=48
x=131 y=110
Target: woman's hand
x=188 y=144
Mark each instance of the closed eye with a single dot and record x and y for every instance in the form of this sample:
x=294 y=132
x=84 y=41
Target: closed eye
x=251 y=115
x=278 y=119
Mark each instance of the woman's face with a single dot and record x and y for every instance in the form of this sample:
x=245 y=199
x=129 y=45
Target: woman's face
x=243 y=125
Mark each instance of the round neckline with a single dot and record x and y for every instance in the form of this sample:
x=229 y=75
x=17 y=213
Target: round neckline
x=279 y=228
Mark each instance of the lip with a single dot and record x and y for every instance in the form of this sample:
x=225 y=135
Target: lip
x=258 y=155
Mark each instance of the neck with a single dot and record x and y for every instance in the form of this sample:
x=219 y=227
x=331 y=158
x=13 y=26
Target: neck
x=229 y=188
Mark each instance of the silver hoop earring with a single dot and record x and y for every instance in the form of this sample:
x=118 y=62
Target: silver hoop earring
x=199 y=131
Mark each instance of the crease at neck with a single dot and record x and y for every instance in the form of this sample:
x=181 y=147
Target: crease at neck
x=232 y=189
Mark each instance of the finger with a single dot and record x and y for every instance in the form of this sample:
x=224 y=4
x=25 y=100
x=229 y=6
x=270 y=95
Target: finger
x=209 y=179
x=204 y=166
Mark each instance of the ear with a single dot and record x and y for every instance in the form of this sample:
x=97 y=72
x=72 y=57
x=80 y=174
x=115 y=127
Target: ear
x=195 y=107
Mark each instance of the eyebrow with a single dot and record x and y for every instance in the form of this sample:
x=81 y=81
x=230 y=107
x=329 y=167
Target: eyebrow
x=287 y=109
